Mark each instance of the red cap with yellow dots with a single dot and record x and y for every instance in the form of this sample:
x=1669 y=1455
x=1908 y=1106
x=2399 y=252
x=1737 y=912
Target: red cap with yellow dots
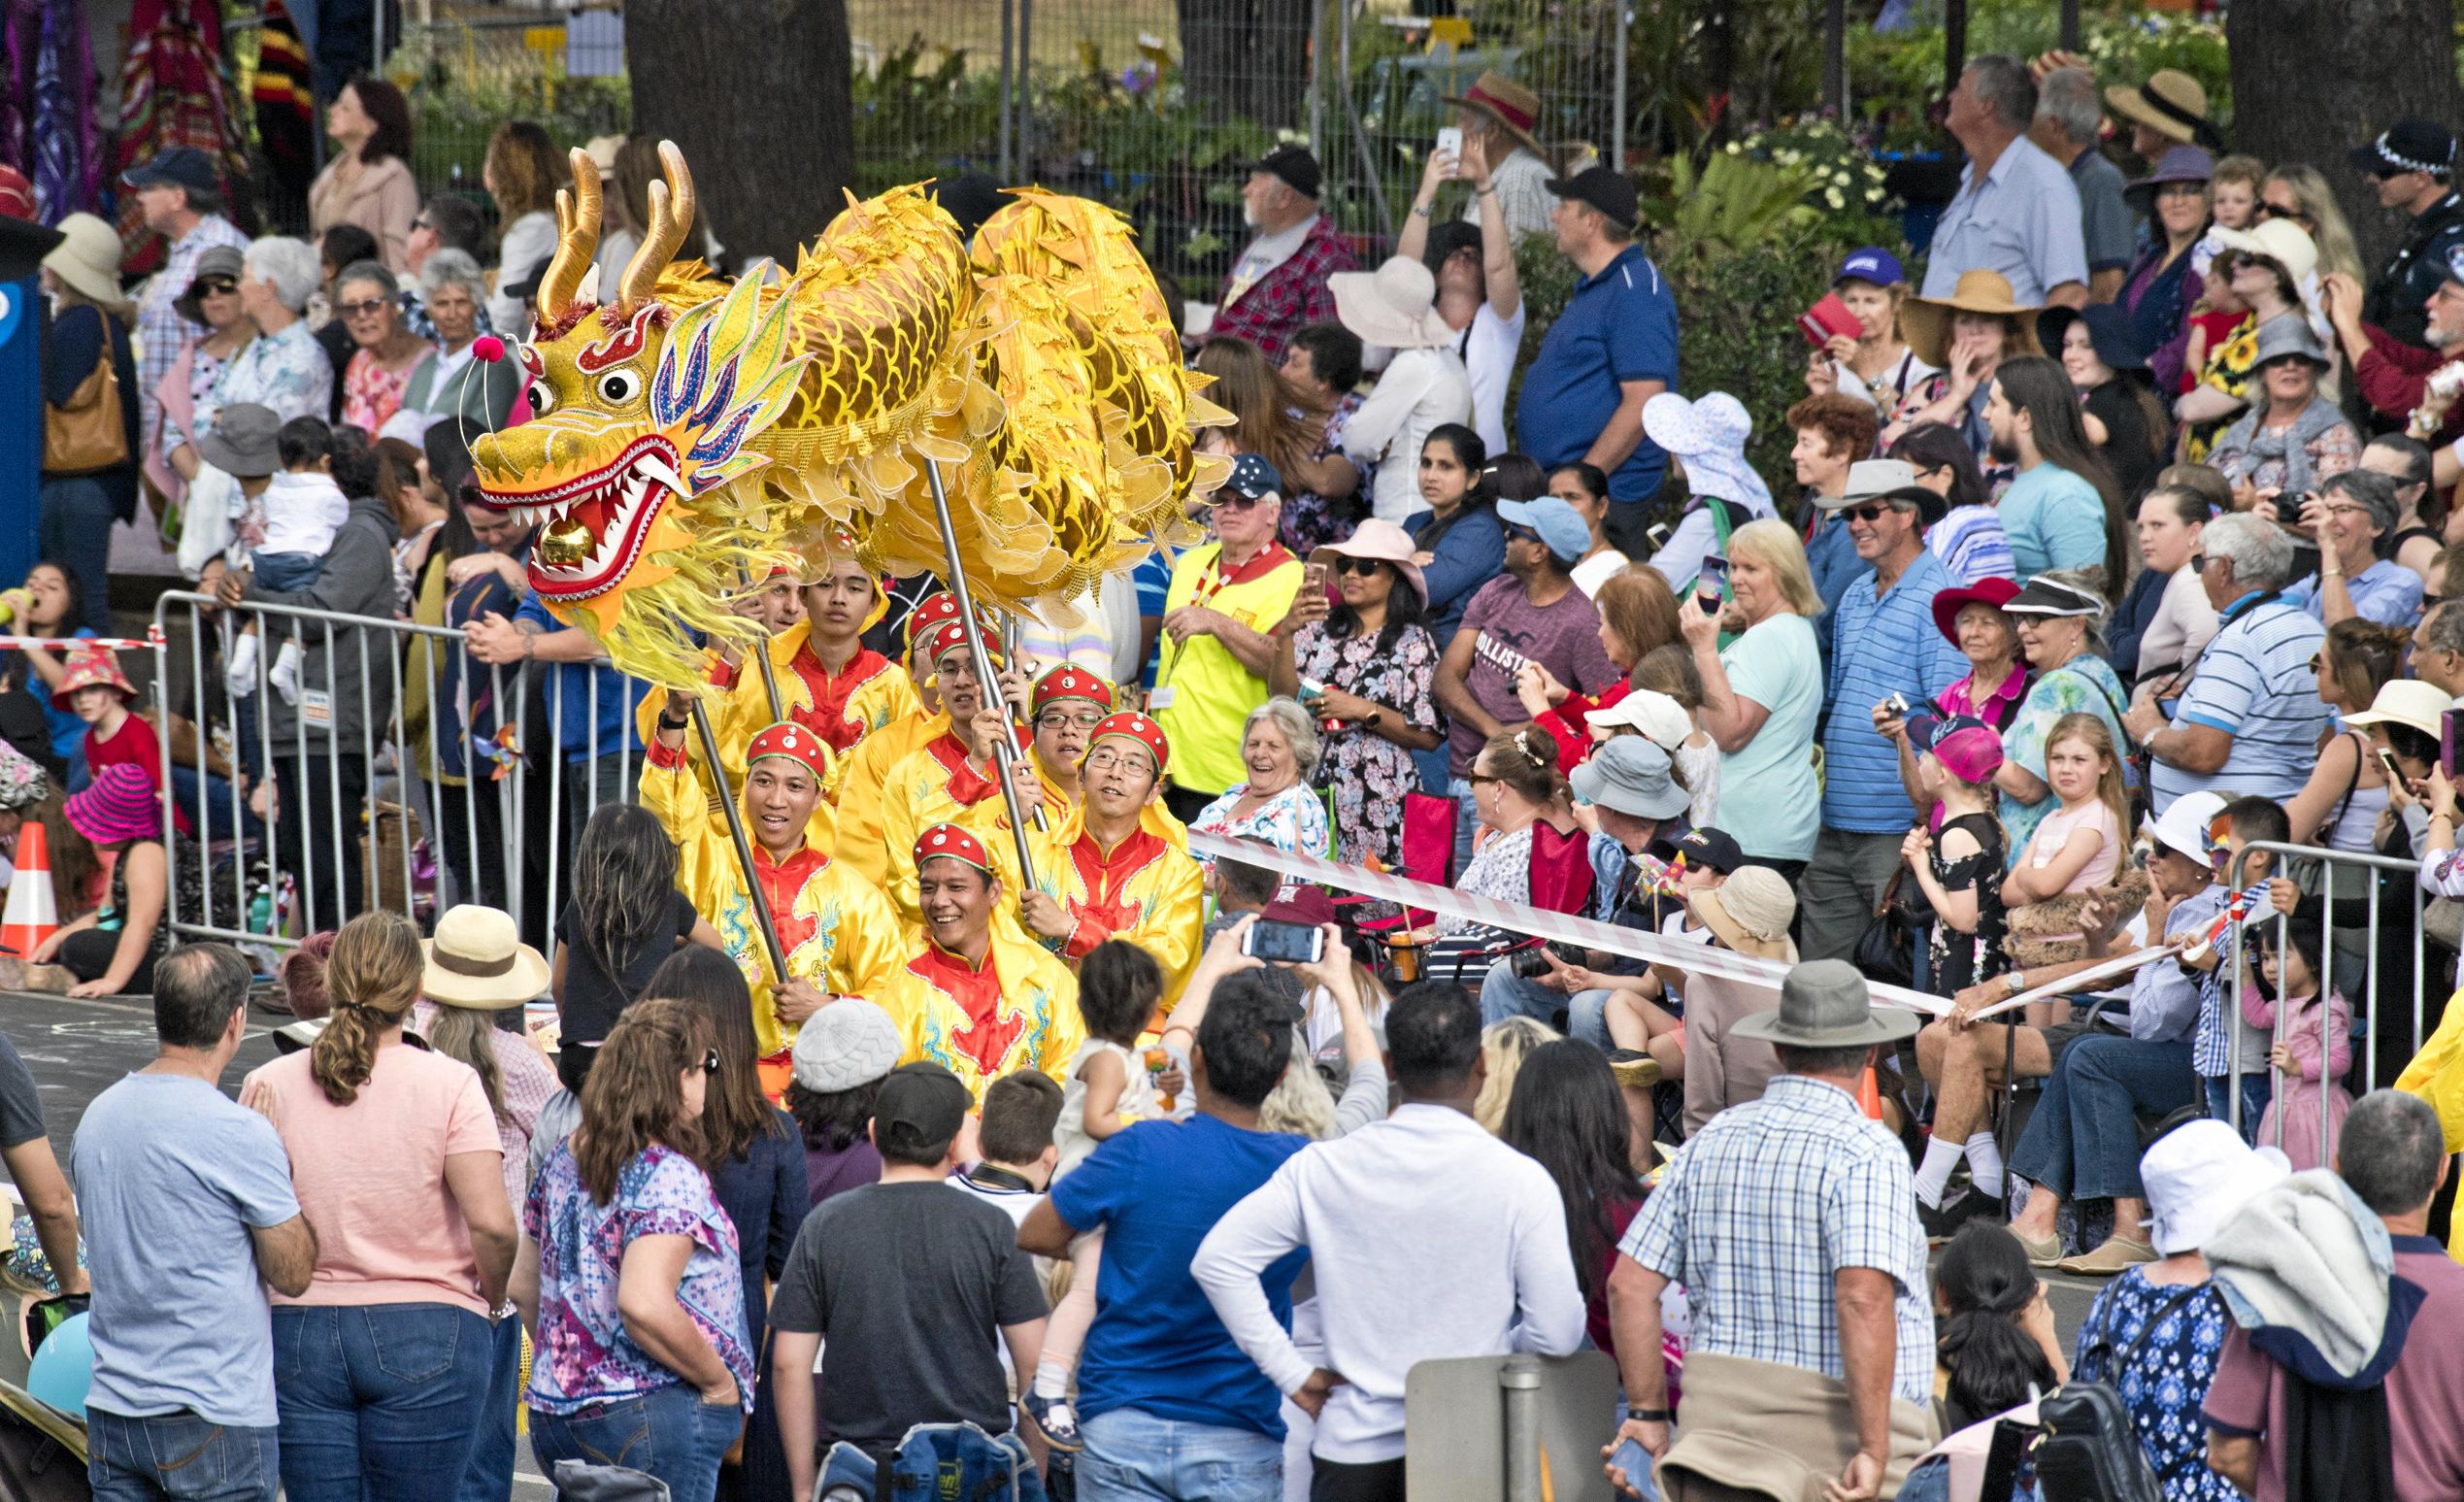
x=1066 y=681
x=796 y=742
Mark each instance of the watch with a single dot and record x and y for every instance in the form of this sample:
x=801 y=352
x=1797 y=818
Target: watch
x=2017 y=979
x=1376 y=717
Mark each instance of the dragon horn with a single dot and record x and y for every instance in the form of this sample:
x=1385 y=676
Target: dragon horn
x=671 y=213
x=577 y=239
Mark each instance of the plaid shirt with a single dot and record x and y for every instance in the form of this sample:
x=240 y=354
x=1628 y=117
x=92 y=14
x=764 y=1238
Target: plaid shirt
x=160 y=329
x=1290 y=295
x=1762 y=1208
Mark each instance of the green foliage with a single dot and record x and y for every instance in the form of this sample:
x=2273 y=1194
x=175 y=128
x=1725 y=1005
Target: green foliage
x=916 y=118
x=465 y=82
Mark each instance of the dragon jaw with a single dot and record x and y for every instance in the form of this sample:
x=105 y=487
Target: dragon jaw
x=612 y=510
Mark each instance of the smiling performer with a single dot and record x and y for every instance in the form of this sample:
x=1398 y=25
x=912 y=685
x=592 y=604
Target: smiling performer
x=1119 y=865
x=953 y=773
x=828 y=680
x=978 y=998
x=839 y=933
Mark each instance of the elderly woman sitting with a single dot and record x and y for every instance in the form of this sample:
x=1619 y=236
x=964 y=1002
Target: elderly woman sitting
x=1276 y=805
x=2288 y=444
x=2352 y=517
x=475 y=393
x=367 y=300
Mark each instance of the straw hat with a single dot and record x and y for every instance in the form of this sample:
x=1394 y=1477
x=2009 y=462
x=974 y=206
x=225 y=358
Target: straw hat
x=87 y=260
x=1509 y=104
x=2409 y=702
x=477 y=961
x=2171 y=103
x=1394 y=305
x=1750 y=911
x=1926 y=321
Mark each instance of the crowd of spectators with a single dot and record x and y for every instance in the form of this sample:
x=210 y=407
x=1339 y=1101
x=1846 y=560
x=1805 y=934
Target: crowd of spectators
x=2111 y=575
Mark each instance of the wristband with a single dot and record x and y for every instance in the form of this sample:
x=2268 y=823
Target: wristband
x=1649 y=1415
x=666 y=724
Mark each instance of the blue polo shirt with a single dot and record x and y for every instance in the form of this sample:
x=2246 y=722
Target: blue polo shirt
x=1620 y=325
x=2054 y=520
x=2255 y=683
x=569 y=689
x=1884 y=646
x=2387 y=592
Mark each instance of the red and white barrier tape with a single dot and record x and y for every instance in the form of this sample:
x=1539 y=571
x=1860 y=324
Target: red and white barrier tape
x=152 y=639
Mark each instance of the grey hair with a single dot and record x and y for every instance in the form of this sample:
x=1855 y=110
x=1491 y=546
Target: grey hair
x=452 y=268
x=2442 y=629
x=2372 y=489
x=2003 y=83
x=2067 y=97
x=2262 y=555
x=286 y=265
x=370 y=270
x=1294 y=722
x=2390 y=1151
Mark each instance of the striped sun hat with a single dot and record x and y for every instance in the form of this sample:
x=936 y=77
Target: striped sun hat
x=117 y=805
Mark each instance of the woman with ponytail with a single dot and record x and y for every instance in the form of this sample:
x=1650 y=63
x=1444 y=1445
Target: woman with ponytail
x=395 y=1156
x=1996 y=1347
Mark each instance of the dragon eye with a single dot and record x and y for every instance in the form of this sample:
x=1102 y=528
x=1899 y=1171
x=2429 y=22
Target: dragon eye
x=542 y=400
x=620 y=386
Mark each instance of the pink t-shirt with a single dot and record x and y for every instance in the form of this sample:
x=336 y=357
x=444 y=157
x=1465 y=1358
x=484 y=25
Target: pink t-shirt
x=2056 y=831
x=370 y=1177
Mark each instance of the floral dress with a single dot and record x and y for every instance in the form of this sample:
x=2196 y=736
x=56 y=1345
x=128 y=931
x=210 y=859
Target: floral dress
x=1293 y=821
x=371 y=393
x=1311 y=520
x=2166 y=1384
x=1960 y=960
x=2230 y=363
x=1367 y=774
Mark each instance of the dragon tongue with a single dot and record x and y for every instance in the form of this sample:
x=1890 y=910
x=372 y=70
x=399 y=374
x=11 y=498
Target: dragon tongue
x=566 y=544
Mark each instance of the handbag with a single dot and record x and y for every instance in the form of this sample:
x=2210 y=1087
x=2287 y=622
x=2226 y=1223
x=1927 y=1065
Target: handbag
x=1886 y=951
x=92 y=432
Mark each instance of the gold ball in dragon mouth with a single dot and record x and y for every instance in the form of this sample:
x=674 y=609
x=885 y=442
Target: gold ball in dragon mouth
x=566 y=544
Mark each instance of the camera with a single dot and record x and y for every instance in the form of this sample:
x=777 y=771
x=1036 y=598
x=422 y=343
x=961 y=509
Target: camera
x=1533 y=963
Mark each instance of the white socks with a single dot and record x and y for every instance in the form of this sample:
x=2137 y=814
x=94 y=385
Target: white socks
x=1934 y=1175
x=241 y=672
x=284 y=674
x=1984 y=1165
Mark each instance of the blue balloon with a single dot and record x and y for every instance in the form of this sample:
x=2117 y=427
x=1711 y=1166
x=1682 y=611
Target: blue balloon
x=64 y=1368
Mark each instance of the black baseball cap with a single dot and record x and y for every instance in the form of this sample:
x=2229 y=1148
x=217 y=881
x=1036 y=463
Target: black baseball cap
x=1703 y=847
x=1295 y=166
x=920 y=1108
x=182 y=166
x=1609 y=191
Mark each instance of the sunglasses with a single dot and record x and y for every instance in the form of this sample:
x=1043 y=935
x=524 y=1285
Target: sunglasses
x=421 y=222
x=1236 y=501
x=363 y=309
x=217 y=286
x=1364 y=567
x=1870 y=512
x=710 y=1062
x=1521 y=534
x=2198 y=563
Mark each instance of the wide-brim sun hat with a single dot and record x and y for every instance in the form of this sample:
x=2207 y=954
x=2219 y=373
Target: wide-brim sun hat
x=2109 y=333
x=1995 y=592
x=1926 y=322
x=2189 y=824
x=118 y=805
x=2179 y=164
x=1750 y=911
x=88 y=665
x=87 y=259
x=1513 y=107
x=220 y=260
x=1632 y=776
x=1385 y=541
x=2288 y=336
x=1826 y=1004
x=1394 y=305
x=2171 y=103
x=479 y=962
x=2409 y=702
x=1708 y=436
x=2198 y=1176
x=2281 y=241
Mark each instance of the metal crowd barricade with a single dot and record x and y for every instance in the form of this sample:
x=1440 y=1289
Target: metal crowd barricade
x=2331 y=864
x=182 y=620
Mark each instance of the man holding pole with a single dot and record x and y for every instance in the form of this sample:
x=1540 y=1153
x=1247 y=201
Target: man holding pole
x=861 y=782
x=825 y=678
x=955 y=770
x=836 y=931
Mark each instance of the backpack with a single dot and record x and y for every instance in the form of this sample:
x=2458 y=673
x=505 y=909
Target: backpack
x=2087 y=1449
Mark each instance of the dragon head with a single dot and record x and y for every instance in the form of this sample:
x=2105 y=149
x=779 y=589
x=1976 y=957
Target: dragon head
x=643 y=407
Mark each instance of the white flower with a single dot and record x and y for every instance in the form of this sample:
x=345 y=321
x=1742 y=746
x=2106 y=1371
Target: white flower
x=1831 y=196
x=1734 y=148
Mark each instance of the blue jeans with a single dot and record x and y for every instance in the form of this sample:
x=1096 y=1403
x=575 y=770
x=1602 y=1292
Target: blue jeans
x=489 y=1476
x=671 y=1434
x=76 y=533
x=2082 y=1142
x=2257 y=1089
x=287 y=572
x=177 y=1455
x=380 y=1402
x=937 y=1460
x=1505 y=994
x=1132 y=1456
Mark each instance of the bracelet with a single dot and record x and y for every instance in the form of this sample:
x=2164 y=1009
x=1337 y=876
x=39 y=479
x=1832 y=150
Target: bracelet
x=1649 y=1415
x=1375 y=718
x=1485 y=191
x=1422 y=208
x=666 y=724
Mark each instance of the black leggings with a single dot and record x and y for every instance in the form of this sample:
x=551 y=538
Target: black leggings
x=88 y=954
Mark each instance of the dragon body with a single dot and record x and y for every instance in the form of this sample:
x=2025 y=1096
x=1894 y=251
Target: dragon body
x=689 y=434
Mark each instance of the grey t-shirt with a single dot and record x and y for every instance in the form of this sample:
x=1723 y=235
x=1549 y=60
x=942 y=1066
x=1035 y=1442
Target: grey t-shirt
x=2106 y=223
x=21 y=1105
x=171 y=1176
x=908 y=1285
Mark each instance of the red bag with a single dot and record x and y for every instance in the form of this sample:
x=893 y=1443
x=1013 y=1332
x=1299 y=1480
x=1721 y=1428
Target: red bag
x=1560 y=870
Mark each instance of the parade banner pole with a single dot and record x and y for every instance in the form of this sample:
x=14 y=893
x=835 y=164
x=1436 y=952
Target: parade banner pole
x=1009 y=635
x=1005 y=750
x=768 y=680
x=743 y=847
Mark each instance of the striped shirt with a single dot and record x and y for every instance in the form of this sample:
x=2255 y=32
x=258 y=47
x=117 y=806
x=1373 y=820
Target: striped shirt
x=1971 y=543
x=1761 y=1211
x=1884 y=646
x=2254 y=682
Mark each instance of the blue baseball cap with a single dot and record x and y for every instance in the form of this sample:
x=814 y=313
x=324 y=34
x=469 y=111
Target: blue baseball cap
x=1561 y=531
x=182 y=166
x=1872 y=264
x=1254 y=477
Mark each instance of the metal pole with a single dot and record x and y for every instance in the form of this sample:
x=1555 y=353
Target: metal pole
x=1616 y=84
x=1317 y=85
x=743 y=847
x=1521 y=1380
x=1009 y=40
x=1004 y=751
x=760 y=654
x=1026 y=92
x=1835 y=59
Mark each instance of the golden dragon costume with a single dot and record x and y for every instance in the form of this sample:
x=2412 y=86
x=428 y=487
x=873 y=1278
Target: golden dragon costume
x=689 y=433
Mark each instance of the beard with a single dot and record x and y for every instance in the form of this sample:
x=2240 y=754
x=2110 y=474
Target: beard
x=2439 y=337
x=2003 y=450
x=1249 y=216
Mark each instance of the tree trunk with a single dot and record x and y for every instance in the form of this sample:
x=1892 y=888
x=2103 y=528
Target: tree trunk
x=756 y=93
x=2310 y=80
x=1247 y=59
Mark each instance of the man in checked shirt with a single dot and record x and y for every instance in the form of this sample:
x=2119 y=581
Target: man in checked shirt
x=181 y=198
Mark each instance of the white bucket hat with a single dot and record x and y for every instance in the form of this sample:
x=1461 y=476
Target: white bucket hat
x=1709 y=437
x=2197 y=1177
x=87 y=259
x=1394 y=305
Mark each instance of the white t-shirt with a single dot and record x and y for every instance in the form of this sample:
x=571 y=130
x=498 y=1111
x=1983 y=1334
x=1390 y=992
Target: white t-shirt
x=303 y=512
x=1489 y=347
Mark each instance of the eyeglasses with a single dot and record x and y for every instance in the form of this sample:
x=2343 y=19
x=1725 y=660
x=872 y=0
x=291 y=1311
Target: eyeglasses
x=710 y=1062
x=2349 y=510
x=363 y=309
x=1103 y=760
x=1062 y=719
x=1361 y=566
x=1521 y=534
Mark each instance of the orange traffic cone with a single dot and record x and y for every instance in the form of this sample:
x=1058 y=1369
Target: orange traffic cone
x=30 y=916
x=1869 y=1096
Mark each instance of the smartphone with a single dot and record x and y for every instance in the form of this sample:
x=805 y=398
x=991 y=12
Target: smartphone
x=1657 y=534
x=1285 y=944
x=1636 y=1462
x=1450 y=140
x=1711 y=583
x=2386 y=760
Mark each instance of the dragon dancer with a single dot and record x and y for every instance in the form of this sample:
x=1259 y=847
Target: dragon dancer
x=828 y=680
x=838 y=933
x=954 y=771
x=859 y=785
x=979 y=997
